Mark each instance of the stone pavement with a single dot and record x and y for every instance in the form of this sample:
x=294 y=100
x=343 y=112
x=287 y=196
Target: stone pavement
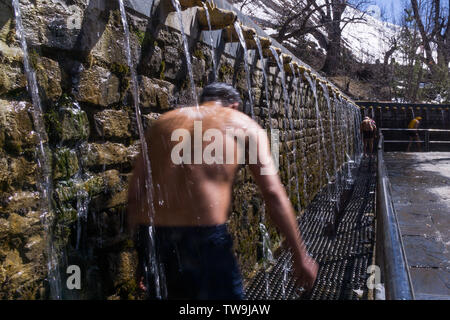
x=421 y=195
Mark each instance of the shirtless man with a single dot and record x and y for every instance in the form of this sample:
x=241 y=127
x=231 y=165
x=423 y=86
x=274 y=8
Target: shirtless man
x=368 y=130
x=192 y=201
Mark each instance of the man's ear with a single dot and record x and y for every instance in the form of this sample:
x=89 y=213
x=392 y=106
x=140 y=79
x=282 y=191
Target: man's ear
x=234 y=106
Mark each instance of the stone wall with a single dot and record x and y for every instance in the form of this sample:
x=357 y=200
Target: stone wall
x=77 y=50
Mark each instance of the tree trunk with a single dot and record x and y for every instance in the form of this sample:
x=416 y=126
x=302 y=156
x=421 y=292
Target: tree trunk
x=333 y=60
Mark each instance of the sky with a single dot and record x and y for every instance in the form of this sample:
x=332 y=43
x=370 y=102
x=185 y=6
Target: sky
x=392 y=9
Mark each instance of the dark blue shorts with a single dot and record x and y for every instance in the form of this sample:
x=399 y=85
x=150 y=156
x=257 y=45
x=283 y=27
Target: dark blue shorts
x=199 y=263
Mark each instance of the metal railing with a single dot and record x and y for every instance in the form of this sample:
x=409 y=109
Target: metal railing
x=390 y=250
x=426 y=136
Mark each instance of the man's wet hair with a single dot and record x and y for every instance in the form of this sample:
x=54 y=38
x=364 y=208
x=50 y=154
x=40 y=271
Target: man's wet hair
x=220 y=92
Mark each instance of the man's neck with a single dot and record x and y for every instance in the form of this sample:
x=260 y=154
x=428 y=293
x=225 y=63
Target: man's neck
x=211 y=104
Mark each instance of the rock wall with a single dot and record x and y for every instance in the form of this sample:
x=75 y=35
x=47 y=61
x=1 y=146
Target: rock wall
x=77 y=50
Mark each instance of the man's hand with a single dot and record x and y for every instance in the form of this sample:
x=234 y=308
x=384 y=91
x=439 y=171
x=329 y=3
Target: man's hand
x=141 y=284
x=305 y=271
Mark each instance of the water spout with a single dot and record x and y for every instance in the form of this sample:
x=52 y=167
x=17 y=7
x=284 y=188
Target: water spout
x=176 y=5
x=238 y=28
x=213 y=18
x=211 y=41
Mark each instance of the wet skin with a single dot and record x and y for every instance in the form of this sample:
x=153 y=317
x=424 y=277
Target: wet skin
x=200 y=194
x=366 y=125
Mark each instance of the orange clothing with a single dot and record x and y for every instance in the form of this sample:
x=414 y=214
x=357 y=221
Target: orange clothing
x=413 y=123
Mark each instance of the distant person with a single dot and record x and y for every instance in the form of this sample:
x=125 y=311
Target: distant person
x=192 y=201
x=413 y=133
x=368 y=130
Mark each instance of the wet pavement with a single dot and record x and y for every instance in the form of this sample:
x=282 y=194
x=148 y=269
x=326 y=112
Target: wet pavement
x=421 y=195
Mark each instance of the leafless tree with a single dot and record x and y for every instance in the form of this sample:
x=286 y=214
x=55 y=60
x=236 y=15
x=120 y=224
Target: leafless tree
x=324 y=20
x=432 y=18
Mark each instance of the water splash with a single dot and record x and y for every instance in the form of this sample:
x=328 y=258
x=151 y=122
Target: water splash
x=238 y=28
x=159 y=285
x=176 y=5
x=211 y=41
x=267 y=253
x=45 y=185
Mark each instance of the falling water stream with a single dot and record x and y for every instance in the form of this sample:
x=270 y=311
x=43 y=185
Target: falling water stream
x=177 y=7
x=319 y=125
x=211 y=41
x=302 y=148
x=238 y=28
x=266 y=79
x=267 y=253
x=45 y=185
x=286 y=110
x=286 y=265
x=155 y=267
x=333 y=145
x=294 y=140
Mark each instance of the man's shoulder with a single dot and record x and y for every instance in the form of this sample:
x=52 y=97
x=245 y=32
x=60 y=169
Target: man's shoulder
x=220 y=116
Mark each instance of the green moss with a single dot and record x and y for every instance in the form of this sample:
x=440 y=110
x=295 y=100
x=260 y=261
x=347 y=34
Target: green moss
x=225 y=70
x=141 y=36
x=128 y=244
x=53 y=125
x=199 y=54
x=66 y=215
x=34 y=59
x=11 y=36
x=94 y=186
x=65 y=163
x=162 y=70
x=121 y=70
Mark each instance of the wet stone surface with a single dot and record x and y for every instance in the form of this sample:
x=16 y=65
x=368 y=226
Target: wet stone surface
x=421 y=195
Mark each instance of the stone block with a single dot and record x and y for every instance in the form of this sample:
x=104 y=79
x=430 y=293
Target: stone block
x=99 y=154
x=98 y=86
x=113 y=124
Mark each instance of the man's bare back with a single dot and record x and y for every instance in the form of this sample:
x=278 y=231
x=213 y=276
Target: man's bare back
x=367 y=125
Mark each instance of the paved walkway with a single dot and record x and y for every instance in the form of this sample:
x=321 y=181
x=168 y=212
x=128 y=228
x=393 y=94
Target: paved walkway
x=421 y=194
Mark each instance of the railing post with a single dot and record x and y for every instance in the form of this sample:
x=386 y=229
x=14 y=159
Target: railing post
x=427 y=141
